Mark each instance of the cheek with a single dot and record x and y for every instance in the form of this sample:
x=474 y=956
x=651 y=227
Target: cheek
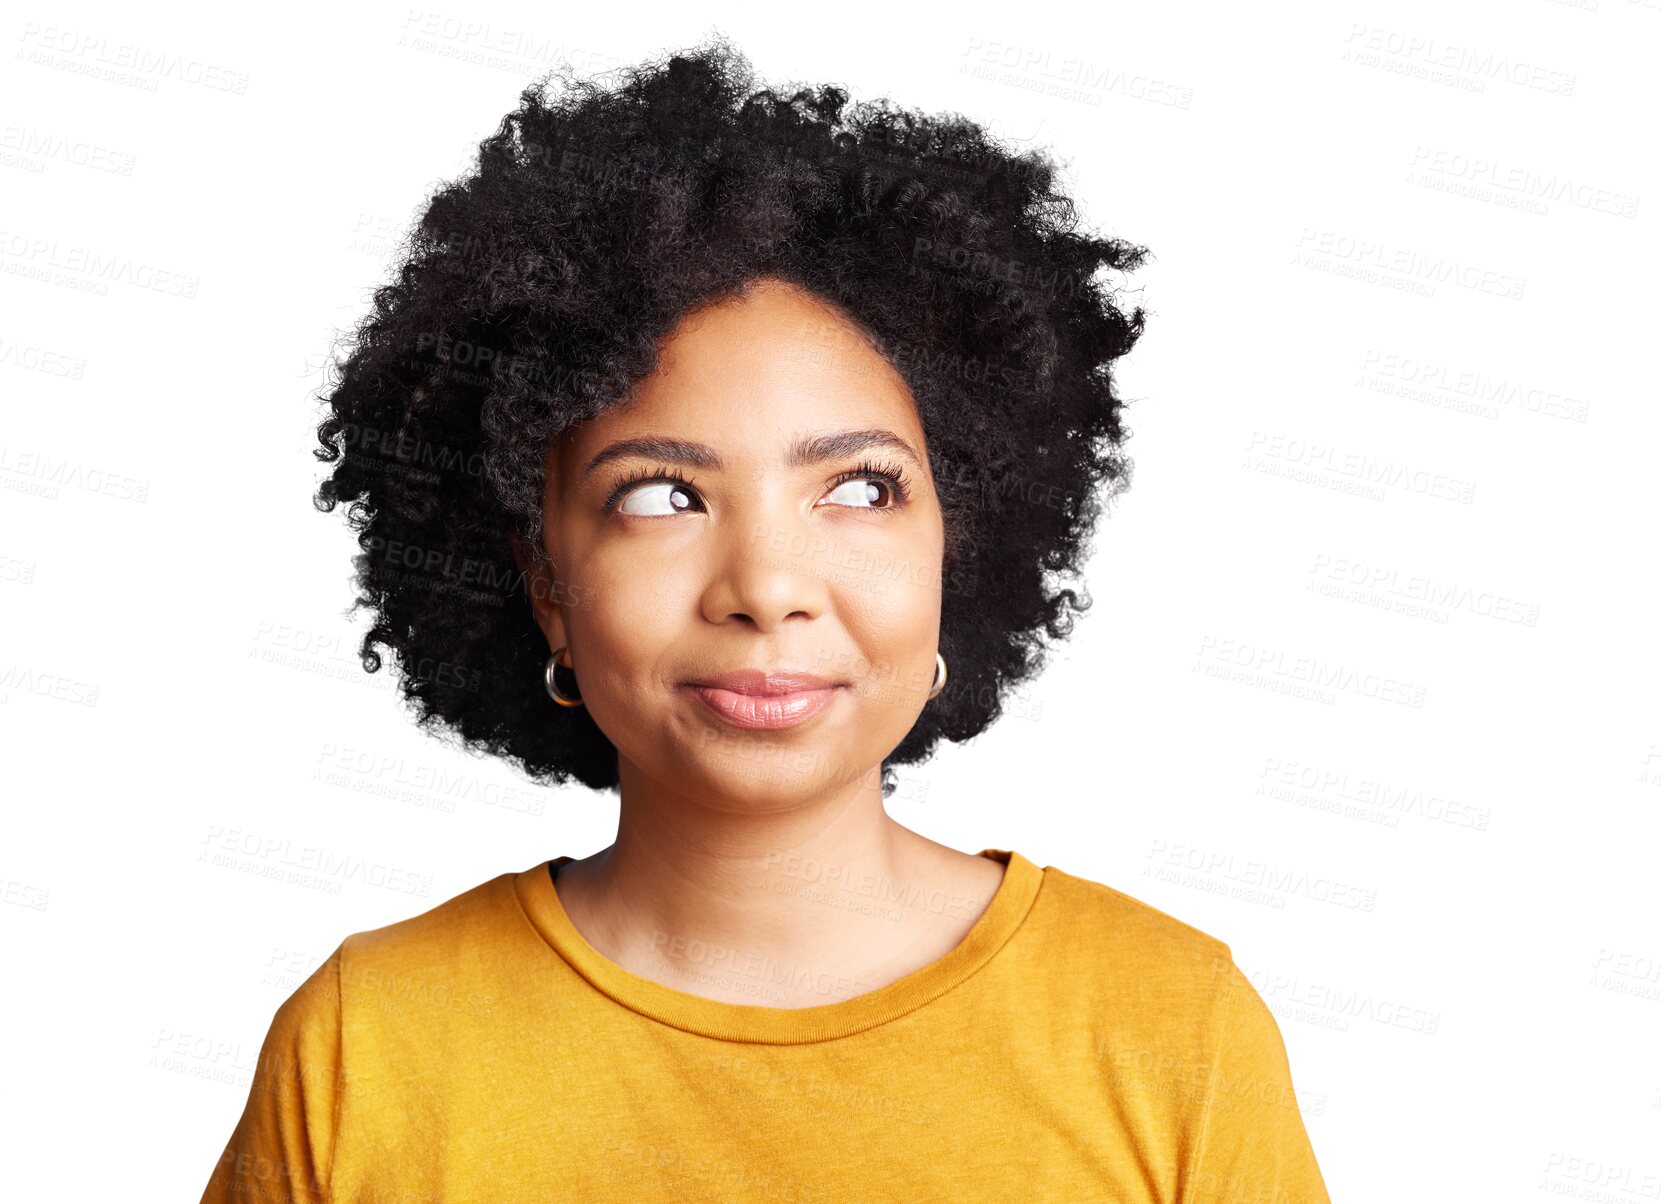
x=631 y=616
x=893 y=622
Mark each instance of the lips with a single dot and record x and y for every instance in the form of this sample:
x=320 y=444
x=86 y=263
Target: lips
x=764 y=681
x=759 y=699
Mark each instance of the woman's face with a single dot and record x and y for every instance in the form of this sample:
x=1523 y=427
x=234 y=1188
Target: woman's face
x=760 y=559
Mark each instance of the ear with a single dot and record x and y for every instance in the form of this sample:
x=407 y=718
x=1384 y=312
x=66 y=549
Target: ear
x=542 y=591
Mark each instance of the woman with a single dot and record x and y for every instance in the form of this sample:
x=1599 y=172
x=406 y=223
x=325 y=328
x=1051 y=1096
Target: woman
x=772 y=418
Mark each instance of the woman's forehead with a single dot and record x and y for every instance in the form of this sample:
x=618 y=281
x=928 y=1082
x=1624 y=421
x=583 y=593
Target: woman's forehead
x=776 y=333
x=752 y=377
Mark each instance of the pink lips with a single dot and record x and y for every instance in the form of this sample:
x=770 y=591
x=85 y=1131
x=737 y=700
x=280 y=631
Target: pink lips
x=759 y=700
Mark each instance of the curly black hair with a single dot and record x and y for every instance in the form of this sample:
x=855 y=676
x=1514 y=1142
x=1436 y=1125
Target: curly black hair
x=535 y=291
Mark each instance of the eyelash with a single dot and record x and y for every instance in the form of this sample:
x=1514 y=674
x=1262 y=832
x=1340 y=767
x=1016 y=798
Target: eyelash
x=890 y=474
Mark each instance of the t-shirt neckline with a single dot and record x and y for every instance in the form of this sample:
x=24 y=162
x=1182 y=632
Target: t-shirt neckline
x=1009 y=906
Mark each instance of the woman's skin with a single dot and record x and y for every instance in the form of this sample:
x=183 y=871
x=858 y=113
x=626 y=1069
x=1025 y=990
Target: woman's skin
x=716 y=884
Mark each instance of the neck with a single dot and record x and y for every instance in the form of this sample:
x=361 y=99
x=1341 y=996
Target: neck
x=729 y=901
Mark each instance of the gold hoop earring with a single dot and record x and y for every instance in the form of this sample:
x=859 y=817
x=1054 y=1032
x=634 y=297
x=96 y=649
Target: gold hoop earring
x=939 y=675
x=553 y=688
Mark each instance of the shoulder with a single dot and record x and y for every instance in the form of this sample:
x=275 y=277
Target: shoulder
x=439 y=926
x=442 y=962
x=1130 y=935
x=1155 y=993
x=1177 y=1029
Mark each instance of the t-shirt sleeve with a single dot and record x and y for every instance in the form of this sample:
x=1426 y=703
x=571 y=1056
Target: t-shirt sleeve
x=1250 y=1144
x=282 y=1147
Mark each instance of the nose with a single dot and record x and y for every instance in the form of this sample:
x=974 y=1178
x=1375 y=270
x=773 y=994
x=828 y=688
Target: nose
x=766 y=571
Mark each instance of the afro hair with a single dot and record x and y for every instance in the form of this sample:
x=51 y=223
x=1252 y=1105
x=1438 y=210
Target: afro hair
x=536 y=290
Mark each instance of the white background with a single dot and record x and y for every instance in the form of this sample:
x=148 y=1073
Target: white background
x=1375 y=620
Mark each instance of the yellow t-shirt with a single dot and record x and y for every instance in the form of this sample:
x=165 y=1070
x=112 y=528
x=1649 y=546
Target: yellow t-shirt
x=1078 y=1044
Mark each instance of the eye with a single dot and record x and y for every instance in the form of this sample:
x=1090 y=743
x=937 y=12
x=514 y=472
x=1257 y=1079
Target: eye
x=658 y=498
x=865 y=487
x=860 y=492
x=664 y=492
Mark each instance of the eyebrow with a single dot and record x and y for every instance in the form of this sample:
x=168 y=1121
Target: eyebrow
x=805 y=451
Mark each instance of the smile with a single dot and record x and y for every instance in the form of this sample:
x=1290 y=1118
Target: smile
x=765 y=711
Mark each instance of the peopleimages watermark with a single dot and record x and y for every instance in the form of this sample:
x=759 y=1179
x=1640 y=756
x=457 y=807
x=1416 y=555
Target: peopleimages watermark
x=86 y=268
x=280 y=855
x=122 y=62
x=1168 y=860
